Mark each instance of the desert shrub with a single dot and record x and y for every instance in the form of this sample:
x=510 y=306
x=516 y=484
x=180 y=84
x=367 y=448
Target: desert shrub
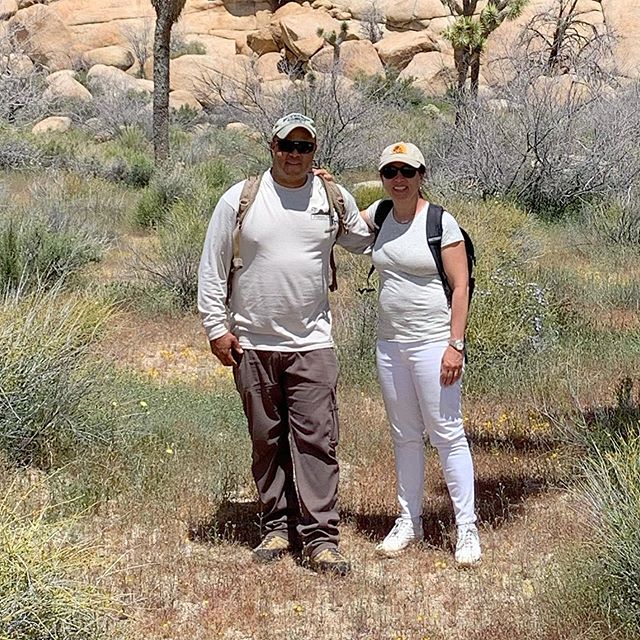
x=126 y=159
x=610 y=490
x=182 y=48
x=200 y=187
x=166 y=188
x=596 y=431
x=186 y=118
x=34 y=254
x=391 y=89
x=46 y=376
x=22 y=84
x=367 y=193
x=89 y=208
x=551 y=143
x=243 y=154
x=18 y=152
x=113 y=112
x=42 y=590
x=355 y=333
x=513 y=315
x=173 y=261
x=615 y=222
x=132 y=168
x=62 y=225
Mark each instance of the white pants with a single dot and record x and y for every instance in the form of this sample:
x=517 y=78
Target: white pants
x=418 y=405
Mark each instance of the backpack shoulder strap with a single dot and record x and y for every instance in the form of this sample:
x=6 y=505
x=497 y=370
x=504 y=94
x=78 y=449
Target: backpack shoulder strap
x=434 y=240
x=382 y=211
x=337 y=206
x=247 y=197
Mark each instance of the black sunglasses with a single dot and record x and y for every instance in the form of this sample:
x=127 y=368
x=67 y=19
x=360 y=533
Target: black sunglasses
x=301 y=146
x=390 y=171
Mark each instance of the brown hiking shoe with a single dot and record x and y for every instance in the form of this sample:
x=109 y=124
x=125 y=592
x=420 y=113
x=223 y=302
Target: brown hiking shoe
x=271 y=548
x=330 y=561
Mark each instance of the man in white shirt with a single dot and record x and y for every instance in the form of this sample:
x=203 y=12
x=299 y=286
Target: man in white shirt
x=275 y=330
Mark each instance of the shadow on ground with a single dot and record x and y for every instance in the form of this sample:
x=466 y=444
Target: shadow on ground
x=499 y=499
x=237 y=522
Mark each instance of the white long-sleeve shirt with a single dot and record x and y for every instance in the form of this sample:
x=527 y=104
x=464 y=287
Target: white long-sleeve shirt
x=279 y=297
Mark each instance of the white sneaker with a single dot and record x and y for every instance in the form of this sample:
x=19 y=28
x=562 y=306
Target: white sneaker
x=404 y=533
x=468 y=545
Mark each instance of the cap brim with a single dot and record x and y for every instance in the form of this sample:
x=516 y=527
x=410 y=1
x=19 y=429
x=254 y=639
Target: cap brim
x=400 y=157
x=287 y=129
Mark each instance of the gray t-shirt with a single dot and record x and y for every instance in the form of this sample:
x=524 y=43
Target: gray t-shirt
x=412 y=305
x=279 y=297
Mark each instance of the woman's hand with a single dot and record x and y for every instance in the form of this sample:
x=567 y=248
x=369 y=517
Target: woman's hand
x=451 y=367
x=323 y=173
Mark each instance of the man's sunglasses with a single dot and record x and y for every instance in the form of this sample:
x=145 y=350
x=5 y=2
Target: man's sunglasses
x=301 y=146
x=390 y=171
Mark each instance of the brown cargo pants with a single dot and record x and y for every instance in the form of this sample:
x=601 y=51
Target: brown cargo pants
x=289 y=399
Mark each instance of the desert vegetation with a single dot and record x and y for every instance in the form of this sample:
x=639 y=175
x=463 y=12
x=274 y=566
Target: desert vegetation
x=127 y=506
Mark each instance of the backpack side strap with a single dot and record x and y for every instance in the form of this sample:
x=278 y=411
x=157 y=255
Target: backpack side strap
x=337 y=206
x=434 y=240
x=247 y=197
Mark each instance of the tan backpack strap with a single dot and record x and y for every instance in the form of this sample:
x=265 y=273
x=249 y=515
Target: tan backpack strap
x=337 y=206
x=247 y=197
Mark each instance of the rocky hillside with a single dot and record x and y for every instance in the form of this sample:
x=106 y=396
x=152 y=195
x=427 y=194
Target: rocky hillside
x=260 y=38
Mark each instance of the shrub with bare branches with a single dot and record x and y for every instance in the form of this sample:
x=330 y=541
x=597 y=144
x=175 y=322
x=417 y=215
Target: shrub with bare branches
x=139 y=39
x=550 y=142
x=372 y=20
x=562 y=41
x=352 y=128
x=21 y=85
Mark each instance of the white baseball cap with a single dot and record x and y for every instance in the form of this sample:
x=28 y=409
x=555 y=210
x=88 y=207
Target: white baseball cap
x=283 y=127
x=402 y=152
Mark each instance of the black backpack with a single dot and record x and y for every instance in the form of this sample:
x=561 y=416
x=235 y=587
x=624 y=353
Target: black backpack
x=434 y=237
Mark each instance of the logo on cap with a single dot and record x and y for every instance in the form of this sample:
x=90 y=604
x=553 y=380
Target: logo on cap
x=399 y=148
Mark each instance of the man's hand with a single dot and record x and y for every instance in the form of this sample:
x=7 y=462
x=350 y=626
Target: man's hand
x=226 y=348
x=451 y=367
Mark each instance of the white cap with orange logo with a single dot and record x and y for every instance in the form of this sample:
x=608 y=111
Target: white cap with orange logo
x=402 y=152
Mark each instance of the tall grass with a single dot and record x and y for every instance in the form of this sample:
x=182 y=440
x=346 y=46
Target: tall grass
x=47 y=377
x=43 y=589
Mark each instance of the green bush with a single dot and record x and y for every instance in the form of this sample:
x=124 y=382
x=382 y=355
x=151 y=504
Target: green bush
x=367 y=193
x=391 y=89
x=513 y=314
x=47 y=377
x=611 y=491
x=166 y=188
x=173 y=261
x=42 y=590
x=33 y=254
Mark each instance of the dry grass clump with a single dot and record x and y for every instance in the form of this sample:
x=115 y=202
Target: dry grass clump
x=47 y=379
x=44 y=592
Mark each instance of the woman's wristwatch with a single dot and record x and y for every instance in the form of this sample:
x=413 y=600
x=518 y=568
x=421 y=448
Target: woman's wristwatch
x=458 y=345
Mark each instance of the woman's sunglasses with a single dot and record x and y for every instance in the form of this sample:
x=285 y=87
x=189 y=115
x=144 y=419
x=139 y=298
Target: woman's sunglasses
x=390 y=171
x=301 y=146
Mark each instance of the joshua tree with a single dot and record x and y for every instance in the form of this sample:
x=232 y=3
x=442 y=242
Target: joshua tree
x=335 y=40
x=469 y=33
x=167 y=13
